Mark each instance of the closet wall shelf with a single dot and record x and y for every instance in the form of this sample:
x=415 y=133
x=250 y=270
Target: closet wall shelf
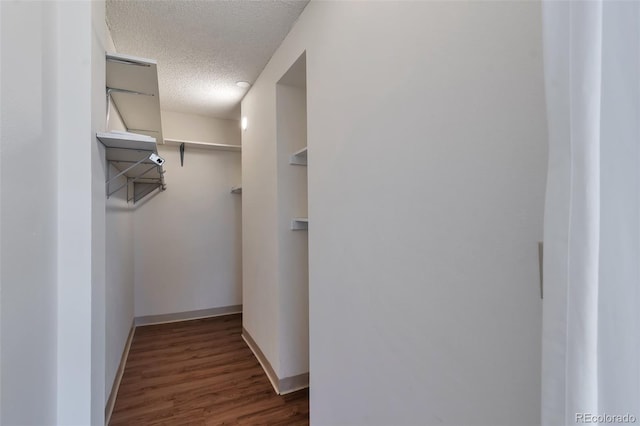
x=208 y=145
x=299 y=158
x=130 y=153
x=132 y=84
x=299 y=223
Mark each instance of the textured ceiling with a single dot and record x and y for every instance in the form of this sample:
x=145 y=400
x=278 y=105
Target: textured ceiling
x=202 y=47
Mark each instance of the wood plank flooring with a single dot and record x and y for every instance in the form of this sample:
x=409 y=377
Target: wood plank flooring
x=200 y=372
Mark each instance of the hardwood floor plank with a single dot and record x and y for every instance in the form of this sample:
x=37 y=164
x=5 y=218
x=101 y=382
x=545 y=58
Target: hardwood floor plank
x=200 y=372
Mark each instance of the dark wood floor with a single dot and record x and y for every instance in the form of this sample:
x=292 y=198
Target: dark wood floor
x=200 y=372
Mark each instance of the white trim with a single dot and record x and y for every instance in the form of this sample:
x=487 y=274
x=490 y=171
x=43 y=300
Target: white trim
x=299 y=382
x=111 y=402
x=299 y=388
x=187 y=316
x=264 y=363
x=270 y=372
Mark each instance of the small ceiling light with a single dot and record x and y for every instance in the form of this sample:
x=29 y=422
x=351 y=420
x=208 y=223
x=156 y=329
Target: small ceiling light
x=243 y=123
x=243 y=84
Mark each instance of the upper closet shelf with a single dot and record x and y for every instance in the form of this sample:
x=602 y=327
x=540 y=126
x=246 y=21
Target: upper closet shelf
x=127 y=140
x=132 y=83
x=299 y=158
x=208 y=145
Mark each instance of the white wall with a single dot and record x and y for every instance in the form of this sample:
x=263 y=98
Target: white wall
x=260 y=264
x=293 y=288
x=52 y=363
x=119 y=278
x=75 y=216
x=98 y=214
x=198 y=128
x=119 y=310
x=28 y=229
x=187 y=239
x=427 y=147
x=81 y=214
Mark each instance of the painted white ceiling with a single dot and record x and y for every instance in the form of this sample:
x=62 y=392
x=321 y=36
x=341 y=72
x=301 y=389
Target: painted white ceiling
x=203 y=47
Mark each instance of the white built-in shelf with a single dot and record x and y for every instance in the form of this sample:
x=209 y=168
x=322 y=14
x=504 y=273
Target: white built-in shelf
x=129 y=153
x=299 y=158
x=208 y=145
x=236 y=190
x=299 y=223
x=126 y=140
x=132 y=83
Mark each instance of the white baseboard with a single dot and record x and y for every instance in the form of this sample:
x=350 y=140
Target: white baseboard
x=281 y=386
x=294 y=383
x=264 y=362
x=186 y=316
x=111 y=402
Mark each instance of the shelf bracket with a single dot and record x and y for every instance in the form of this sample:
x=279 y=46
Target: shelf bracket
x=541 y=267
x=299 y=158
x=126 y=61
x=111 y=90
x=114 y=89
x=299 y=224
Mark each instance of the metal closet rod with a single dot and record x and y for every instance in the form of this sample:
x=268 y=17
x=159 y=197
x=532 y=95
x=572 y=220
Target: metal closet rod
x=109 y=194
x=142 y=130
x=131 y=149
x=129 y=162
